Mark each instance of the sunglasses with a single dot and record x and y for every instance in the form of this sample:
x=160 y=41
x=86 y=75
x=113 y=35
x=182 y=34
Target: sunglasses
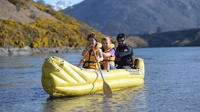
x=120 y=40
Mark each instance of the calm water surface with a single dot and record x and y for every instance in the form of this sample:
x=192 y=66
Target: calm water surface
x=172 y=84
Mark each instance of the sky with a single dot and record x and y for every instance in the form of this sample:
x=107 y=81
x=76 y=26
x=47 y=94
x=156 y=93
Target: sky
x=61 y=4
x=69 y=1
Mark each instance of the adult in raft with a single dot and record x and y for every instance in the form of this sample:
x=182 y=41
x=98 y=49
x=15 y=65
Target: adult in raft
x=88 y=53
x=124 y=53
x=108 y=54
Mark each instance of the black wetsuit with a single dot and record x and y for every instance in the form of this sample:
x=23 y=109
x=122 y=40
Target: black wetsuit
x=125 y=53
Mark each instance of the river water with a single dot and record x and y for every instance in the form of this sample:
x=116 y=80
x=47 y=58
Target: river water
x=172 y=84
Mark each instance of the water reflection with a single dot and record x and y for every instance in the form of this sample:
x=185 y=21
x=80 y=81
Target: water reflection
x=127 y=100
x=6 y=84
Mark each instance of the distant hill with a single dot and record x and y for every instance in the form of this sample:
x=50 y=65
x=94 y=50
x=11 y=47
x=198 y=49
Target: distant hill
x=21 y=11
x=27 y=23
x=190 y=37
x=137 y=16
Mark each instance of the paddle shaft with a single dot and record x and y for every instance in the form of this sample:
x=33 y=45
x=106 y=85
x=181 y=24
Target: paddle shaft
x=106 y=88
x=99 y=67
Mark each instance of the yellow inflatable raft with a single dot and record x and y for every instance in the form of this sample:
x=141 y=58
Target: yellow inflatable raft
x=60 y=78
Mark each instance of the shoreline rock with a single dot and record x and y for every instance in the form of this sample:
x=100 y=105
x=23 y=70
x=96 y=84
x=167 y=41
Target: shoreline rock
x=27 y=51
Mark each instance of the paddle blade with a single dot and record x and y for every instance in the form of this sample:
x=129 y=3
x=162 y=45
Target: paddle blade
x=106 y=89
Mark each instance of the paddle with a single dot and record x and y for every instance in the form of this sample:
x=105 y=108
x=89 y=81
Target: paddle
x=106 y=88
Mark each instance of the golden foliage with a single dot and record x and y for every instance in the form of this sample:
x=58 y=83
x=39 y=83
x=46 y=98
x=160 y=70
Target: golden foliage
x=44 y=32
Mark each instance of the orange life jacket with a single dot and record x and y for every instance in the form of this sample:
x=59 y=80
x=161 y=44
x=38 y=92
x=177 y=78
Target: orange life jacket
x=90 y=61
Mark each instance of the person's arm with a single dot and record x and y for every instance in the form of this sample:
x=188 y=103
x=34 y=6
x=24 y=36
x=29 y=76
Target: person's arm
x=84 y=52
x=87 y=50
x=117 y=59
x=106 y=54
x=123 y=54
x=100 y=55
x=110 y=53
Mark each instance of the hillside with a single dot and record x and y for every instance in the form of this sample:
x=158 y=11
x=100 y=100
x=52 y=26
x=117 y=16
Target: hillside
x=8 y=10
x=190 y=37
x=137 y=16
x=27 y=23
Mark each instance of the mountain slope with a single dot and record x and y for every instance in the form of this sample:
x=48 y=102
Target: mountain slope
x=137 y=16
x=27 y=23
x=10 y=11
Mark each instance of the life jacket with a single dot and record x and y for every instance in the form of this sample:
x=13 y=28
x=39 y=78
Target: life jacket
x=90 y=61
x=109 y=59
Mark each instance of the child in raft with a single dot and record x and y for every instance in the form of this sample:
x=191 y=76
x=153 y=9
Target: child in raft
x=108 y=54
x=89 y=56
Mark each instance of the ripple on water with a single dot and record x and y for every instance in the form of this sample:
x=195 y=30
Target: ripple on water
x=171 y=85
x=121 y=101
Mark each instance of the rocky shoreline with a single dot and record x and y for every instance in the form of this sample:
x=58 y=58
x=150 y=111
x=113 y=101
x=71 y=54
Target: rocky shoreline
x=28 y=51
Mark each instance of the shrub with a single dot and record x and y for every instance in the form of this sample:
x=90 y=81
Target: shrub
x=44 y=32
x=135 y=41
